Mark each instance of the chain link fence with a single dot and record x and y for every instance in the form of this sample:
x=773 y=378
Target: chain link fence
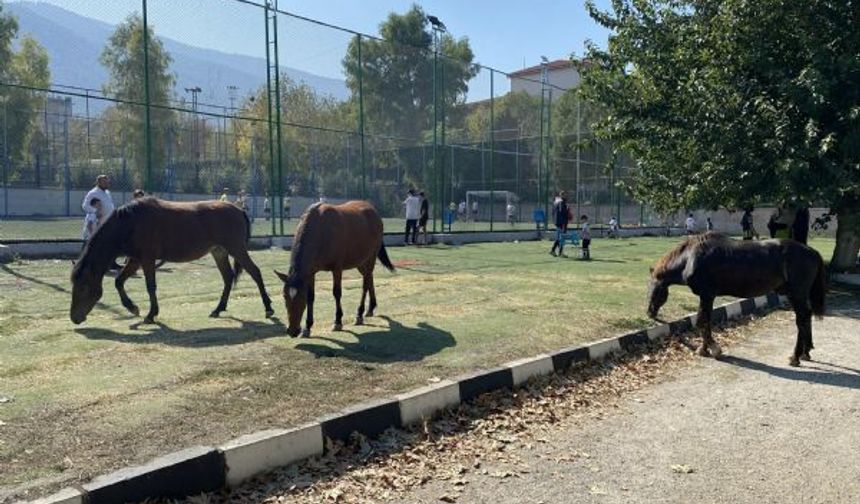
x=192 y=99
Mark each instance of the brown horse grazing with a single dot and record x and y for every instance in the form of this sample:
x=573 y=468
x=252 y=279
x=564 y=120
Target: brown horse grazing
x=148 y=229
x=714 y=265
x=333 y=238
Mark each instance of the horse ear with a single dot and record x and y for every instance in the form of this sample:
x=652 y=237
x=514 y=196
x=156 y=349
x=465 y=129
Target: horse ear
x=284 y=277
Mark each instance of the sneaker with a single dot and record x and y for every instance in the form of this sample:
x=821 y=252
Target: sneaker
x=552 y=253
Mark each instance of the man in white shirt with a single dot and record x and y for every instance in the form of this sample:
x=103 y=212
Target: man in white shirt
x=101 y=193
x=690 y=224
x=413 y=213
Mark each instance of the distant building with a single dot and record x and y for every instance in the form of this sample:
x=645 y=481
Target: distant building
x=560 y=74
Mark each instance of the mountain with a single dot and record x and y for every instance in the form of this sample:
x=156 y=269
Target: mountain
x=75 y=42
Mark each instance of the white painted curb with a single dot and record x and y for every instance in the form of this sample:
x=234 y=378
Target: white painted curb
x=604 y=347
x=257 y=453
x=659 y=332
x=425 y=402
x=64 y=496
x=523 y=369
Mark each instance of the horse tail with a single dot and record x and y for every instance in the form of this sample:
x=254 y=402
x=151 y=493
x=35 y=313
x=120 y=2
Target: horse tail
x=818 y=291
x=383 y=258
x=237 y=266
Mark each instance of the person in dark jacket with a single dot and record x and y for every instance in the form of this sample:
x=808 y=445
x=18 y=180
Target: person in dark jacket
x=800 y=226
x=561 y=213
x=424 y=216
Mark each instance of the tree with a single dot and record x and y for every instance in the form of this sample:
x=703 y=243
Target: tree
x=123 y=56
x=28 y=67
x=397 y=74
x=732 y=103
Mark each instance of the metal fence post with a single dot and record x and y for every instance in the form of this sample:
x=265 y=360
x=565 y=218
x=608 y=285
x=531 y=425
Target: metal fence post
x=361 y=121
x=66 y=174
x=435 y=121
x=5 y=156
x=492 y=148
x=148 y=175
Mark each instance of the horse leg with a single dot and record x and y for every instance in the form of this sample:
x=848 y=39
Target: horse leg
x=372 y=290
x=337 y=276
x=222 y=260
x=149 y=274
x=359 y=318
x=128 y=270
x=803 y=320
x=248 y=264
x=703 y=322
x=309 y=320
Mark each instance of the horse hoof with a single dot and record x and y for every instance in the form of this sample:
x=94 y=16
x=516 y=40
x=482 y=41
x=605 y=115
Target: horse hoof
x=359 y=321
x=337 y=327
x=369 y=313
x=270 y=313
x=214 y=314
x=806 y=357
x=306 y=333
x=794 y=362
x=134 y=311
x=716 y=351
x=149 y=320
x=703 y=351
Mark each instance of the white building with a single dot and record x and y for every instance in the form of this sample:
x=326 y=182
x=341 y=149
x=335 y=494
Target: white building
x=560 y=74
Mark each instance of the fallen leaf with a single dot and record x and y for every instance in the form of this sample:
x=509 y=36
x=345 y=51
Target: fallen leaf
x=682 y=469
x=448 y=498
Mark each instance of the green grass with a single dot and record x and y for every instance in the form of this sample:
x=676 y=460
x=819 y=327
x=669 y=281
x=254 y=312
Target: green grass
x=109 y=393
x=69 y=228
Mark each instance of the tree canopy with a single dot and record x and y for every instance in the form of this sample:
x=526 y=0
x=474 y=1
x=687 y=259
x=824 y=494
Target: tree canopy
x=123 y=56
x=734 y=102
x=397 y=74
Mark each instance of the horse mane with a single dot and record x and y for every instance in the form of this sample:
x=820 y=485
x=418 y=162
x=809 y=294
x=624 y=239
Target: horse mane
x=302 y=236
x=692 y=245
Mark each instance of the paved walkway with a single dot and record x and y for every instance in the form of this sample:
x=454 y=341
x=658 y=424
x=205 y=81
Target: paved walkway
x=747 y=429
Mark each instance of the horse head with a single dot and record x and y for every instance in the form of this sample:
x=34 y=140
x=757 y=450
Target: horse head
x=658 y=293
x=86 y=292
x=296 y=299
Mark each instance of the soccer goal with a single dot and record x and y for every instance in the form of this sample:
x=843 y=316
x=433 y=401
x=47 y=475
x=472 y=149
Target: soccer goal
x=478 y=205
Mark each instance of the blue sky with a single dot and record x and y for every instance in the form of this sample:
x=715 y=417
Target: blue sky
x=503 y=34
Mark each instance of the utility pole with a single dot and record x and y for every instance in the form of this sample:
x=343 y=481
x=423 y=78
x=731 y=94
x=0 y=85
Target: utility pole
x=231 y=93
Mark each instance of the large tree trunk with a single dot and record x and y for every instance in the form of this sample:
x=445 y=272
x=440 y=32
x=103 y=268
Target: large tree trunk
x=847 y=237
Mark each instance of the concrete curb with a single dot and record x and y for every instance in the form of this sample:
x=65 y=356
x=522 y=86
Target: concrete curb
x=204 y=469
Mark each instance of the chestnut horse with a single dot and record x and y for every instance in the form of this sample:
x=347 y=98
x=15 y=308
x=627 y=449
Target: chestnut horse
x=148 y=229
x=714 y=265
x=333 y=238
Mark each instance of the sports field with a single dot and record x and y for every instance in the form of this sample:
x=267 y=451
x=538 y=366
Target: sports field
x=69 y=228
x=82 y=400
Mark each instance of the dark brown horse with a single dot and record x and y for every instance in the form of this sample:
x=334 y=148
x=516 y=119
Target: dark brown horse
x=714 y=265
x=148 y=229
x=333 y=238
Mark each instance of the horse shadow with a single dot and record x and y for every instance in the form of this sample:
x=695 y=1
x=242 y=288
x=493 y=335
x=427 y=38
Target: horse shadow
x=58 y=288
x=247 y=332
x=396 y=343
x=849 y=379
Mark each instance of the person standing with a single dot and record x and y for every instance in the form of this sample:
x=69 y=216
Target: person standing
x=509 y=211
x=461 y=210
x=475 y=211
x=267 y=207
x=747 y=224
x=224 y=197
x=800 y=226
x=413 y=213
x=91 y=221
x=424 y=216
x=561 y=214
x=690 y=225
x=585 y=235
x=101 y=192
x=709 y=224
x=613 y=227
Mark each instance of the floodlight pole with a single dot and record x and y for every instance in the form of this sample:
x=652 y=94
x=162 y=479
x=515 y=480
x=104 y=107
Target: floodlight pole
x=148 y=179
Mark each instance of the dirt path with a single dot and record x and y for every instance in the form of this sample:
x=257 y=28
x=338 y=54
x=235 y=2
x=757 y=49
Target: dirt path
x=749 y=428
